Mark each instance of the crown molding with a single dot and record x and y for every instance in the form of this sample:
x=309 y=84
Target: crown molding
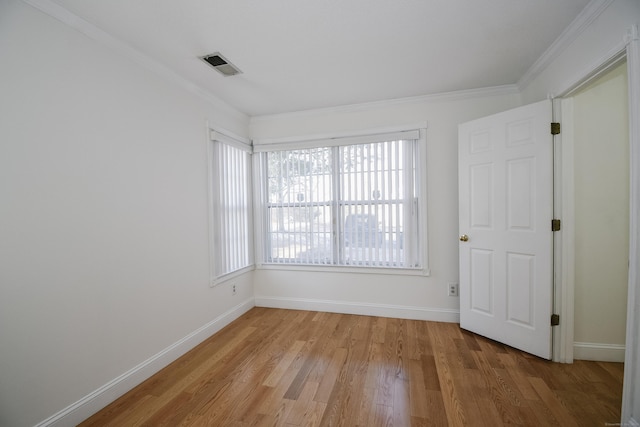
x=577 y=26
x=54 y=10
x=83 y=26
x=421 y=99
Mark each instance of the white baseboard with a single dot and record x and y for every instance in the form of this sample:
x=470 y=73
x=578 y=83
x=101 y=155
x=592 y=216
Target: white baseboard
x=631 y=422
x=367 y=309
x=598 y=352
x=93 y=402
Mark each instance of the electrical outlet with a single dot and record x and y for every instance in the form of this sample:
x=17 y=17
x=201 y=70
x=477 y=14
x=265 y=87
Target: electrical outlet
x=452 y=290
x=233 y=289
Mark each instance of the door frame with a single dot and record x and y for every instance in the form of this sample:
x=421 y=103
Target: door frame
x=564 y=288
x=564 y=192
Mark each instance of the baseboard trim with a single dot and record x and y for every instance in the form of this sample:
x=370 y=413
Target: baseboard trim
x=598 y=352
x=98 y=399
x=631 y=422
x=367 y=309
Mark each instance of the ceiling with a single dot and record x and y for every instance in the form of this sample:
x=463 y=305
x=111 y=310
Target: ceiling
x=302 y=54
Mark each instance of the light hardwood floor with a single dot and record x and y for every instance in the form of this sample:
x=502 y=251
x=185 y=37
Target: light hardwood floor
x=301 y=368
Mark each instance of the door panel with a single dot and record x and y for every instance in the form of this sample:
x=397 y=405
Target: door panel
x=482 y=281
x=520 y=192
x=481 y=205
x=520 y=290
x=506 y=189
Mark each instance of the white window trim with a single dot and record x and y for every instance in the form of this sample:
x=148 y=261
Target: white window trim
x=262 y=145
x=245 y=145
x=412 y=134
x=259 y=143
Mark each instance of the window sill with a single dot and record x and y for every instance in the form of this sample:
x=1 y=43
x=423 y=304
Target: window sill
x=215 y=281
x=345 y=269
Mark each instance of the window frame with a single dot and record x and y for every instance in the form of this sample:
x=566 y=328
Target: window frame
x=216 y=213
x=262 y=196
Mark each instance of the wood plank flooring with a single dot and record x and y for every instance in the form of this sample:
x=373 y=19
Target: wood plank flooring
x=275 y=367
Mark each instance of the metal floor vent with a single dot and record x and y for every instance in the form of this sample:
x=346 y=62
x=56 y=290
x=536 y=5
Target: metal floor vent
x=221 y=64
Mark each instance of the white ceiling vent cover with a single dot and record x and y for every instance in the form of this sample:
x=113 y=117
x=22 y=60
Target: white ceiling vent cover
x=221 y=64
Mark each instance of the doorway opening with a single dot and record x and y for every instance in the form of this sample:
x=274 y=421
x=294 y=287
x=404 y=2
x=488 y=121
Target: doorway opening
x=594 y=206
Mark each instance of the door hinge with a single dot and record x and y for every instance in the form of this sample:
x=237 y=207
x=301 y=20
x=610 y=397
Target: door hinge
x=555 y=128
x=555 y=319
x=555 y=225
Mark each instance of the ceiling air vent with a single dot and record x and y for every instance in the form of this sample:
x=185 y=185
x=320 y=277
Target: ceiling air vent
x=221 y=64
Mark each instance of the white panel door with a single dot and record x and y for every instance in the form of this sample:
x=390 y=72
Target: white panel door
x=505 y=169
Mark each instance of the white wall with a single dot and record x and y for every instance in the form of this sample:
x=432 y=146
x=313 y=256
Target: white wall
x=400 y=296
x=103 y=217
x=601 y=179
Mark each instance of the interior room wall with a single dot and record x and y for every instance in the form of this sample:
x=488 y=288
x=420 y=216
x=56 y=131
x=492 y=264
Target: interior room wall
x=392 y=295
x=103 y=217
x=601 y=179
x=103 y=213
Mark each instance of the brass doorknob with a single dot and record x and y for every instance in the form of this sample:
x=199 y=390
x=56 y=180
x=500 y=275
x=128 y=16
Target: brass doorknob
x=464 y=238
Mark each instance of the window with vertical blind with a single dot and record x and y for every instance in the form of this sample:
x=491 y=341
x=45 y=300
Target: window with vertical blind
x=230 y=206
x=348 y=202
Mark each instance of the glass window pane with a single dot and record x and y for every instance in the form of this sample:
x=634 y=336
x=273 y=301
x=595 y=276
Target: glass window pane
x=373 y=198
x=232 y=213
x=343 y=205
